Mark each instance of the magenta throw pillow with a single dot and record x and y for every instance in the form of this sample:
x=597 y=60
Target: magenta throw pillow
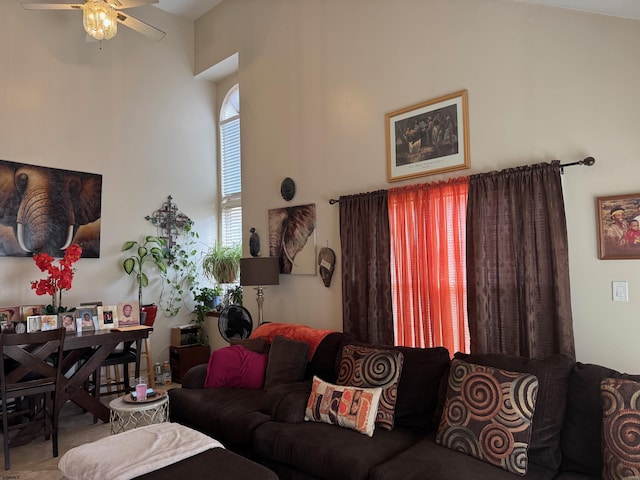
x=236 y=367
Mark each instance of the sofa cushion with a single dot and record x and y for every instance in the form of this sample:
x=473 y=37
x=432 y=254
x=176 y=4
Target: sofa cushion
x=326 y=358
x=422 y=372
x=372 y=368
x=287 y=361
x=553 y=379
x=620 y=429
x=488 y=414
x=236 y=367
x=229 y=415
x=258 y=345
x=287 y=402
x=427 y=460
x=349 y=407
x=302 y=333
x=195 y=376
x=324 y=451
x=582 y=429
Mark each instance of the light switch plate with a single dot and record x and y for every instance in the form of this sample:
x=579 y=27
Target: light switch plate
x=620 y=291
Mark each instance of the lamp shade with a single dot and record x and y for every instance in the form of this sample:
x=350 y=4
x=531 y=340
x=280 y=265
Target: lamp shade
x=259 y=271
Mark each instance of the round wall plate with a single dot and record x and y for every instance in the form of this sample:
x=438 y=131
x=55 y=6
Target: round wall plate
x=287 y=189
x=235 y=322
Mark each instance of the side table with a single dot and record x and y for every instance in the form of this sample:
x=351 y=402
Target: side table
x=126 y=415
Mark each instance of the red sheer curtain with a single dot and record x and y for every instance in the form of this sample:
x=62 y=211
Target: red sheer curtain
x=428 y=264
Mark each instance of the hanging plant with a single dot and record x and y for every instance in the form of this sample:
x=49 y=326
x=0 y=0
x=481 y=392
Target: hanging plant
x=221 y=263
x=181 y=278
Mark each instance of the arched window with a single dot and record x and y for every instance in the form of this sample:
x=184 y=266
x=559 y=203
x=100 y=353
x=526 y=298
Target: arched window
x=230 y=169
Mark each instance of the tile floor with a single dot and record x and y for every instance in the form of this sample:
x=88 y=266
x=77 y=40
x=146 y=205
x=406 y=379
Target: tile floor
x=35 y=461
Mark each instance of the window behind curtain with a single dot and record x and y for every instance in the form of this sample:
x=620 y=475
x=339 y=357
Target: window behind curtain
x=230 y=169
x=428 y=264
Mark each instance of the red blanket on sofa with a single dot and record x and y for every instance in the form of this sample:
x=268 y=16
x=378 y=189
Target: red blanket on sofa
x=301 y=333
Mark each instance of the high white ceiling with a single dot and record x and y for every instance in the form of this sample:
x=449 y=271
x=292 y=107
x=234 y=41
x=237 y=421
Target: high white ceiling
x=194 y=9
x=191 y=9
x=616 y=8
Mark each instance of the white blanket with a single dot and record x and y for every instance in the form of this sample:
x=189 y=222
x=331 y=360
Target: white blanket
x=136 y=452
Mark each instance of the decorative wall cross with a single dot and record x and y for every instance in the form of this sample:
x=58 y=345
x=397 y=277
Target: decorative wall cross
x=170 y=221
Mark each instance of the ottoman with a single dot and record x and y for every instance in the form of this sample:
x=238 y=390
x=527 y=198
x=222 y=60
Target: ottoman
x=158 y=451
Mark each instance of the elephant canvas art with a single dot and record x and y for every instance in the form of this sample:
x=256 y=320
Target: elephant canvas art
x=44 y=210
x=292 y=238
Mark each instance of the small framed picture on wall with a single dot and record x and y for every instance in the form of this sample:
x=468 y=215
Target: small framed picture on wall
x=618 y=227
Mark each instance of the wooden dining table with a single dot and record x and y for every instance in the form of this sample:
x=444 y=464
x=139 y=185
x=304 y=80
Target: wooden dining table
x=84 y=353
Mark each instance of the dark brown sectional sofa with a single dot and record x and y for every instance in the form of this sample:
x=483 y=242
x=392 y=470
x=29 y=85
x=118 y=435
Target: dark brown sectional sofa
x=268 y=426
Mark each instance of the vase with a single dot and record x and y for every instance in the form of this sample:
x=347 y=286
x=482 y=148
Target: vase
x=151 y=311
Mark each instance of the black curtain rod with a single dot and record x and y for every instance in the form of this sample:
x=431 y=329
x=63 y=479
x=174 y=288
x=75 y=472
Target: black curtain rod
x=588 y=161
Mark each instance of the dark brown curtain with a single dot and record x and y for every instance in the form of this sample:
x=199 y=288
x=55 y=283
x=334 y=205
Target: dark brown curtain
x=366 y=273
x=517 y=263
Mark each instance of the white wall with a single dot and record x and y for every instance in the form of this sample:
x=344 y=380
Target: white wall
x=317 y=77
x=131 y=111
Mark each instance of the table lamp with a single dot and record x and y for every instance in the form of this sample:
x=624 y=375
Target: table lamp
x=259 y=271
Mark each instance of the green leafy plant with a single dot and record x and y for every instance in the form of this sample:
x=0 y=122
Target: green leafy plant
x=221 y=263
x=207 y=296
x=182 y=274
x=204 y=298
x=148 y=251
x=233 y=295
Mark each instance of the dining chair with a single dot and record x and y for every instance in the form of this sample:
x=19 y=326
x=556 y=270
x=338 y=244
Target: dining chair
x=125 y=356
x=30 y=376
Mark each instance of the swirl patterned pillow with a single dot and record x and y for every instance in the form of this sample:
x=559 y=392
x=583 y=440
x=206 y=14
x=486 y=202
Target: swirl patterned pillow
x=620 y=428
x=488 y=414
x=372 y=368
x=349 y=407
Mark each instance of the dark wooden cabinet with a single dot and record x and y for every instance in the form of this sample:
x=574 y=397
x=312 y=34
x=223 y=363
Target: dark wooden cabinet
x=183 y=358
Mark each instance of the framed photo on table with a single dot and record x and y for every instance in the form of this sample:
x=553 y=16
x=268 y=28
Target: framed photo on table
x=68 y=321
x=107 y=317
x=618 y=227
x=428 y=138
x=9 y=316
x=128 y=314
x=86 y=319
x=34 y=323
x=49 y=322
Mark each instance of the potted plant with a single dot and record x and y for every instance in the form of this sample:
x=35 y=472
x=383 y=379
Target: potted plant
x=204 y=305
x=206 y=302
x=208 y=296
x=221 y=263
x=233 y=296
x=148 y=251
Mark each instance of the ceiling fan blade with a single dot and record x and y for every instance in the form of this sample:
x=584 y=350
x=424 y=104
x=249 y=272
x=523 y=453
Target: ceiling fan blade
x=51 y=6
x=122 y=4
x=139 y=26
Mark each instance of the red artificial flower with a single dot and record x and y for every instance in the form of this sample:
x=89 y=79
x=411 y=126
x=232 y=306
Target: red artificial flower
x=43 y=261
x=60 y=278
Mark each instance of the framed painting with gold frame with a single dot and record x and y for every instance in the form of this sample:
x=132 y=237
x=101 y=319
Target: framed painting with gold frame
x=428 y=138
x=618 y=227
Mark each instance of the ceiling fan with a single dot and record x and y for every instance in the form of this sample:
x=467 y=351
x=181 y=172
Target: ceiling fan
x=101 y=17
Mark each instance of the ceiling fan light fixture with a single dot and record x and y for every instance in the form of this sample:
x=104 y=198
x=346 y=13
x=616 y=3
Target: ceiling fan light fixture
x=99 y=19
